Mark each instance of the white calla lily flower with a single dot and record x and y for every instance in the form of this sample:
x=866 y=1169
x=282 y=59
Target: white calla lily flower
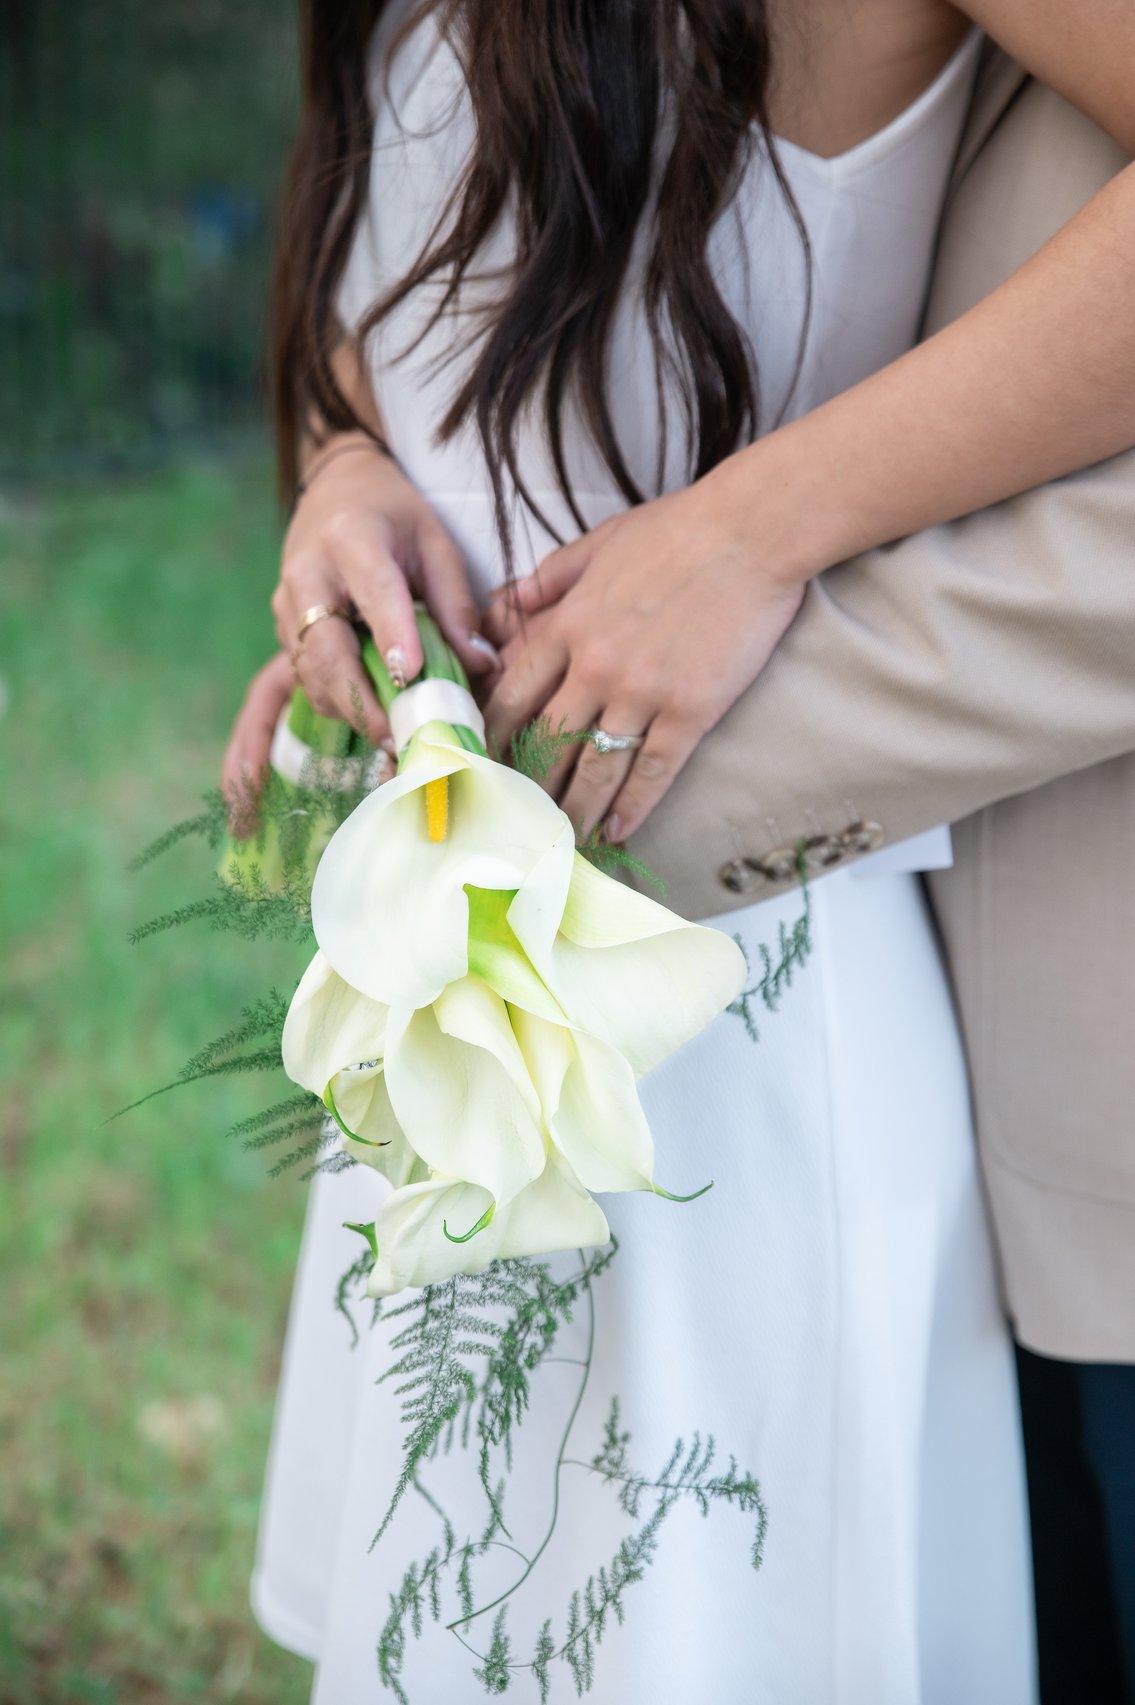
x=446 y=1085
x=461 y=1091
x=389 y=904
x=333 y=1044
x=591 y=1105
x=552 y=1213
x=492 y=1123
x=481 y=1006
x=623 y=967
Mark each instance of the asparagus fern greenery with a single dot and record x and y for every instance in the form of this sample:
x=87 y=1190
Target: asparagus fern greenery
x=793 y=949
x=466 y=1353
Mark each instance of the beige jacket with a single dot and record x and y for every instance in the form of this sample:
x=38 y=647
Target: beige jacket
x=982 y=673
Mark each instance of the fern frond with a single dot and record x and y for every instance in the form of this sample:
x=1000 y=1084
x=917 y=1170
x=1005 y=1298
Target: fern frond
x=538 y=747
x=794 y=948
x=493 y=1673
x=211 y=824
x=610 y=859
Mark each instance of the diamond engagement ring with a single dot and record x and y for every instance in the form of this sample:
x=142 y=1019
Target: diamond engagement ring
x=604 y=742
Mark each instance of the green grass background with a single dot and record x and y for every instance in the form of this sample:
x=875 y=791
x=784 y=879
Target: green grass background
x=144 y=1264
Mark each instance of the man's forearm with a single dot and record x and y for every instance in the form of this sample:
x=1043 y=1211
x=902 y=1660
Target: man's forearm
x=918 y=684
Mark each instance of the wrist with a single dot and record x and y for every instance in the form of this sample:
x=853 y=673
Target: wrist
x=775 y=501
x=339 y=446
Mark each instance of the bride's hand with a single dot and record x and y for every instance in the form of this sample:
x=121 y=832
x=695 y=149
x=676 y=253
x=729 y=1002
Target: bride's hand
x=362 y=537
x=245 y=763
x=651 y=625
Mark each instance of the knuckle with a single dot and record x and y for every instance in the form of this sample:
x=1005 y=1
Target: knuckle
x=593 y=767
x=321 y=700
x=443 y=550
x=596 y=664
x=696 y=712
x=343 y=526
x=509 y=698
x=298 y=563
x=653 y=766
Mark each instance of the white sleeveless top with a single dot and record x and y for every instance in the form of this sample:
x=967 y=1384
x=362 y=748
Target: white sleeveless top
x=871 y=215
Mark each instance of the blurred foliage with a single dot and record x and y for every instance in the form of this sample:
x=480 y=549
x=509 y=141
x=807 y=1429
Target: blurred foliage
x=141 y=146
x=145 y=1264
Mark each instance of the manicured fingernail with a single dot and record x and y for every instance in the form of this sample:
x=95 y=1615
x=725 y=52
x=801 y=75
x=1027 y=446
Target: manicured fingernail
x=614 y=828
x=486 y=648
x=395 y=660
x=389 y=747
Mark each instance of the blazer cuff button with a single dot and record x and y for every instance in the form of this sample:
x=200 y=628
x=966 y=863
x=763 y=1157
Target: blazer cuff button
x=862 y=837
x=740 y=875
x=822 y=852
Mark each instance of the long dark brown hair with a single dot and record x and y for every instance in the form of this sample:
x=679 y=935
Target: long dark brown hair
x=591 y=116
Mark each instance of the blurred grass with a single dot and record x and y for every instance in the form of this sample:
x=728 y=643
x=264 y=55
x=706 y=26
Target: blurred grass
x=144 y=1264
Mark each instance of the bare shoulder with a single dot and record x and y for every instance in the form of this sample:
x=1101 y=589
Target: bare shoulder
x=1084 y=49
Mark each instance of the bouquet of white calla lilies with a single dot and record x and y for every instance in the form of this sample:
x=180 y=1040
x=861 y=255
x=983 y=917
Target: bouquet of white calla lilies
x=483 y=1001
x=480 y=1007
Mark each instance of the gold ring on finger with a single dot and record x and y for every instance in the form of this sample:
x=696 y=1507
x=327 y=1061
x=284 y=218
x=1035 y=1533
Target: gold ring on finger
x=319 y=613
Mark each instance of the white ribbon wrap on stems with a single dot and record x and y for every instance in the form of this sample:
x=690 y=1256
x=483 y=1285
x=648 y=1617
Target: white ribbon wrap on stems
x=433 y=701
x=300 y=763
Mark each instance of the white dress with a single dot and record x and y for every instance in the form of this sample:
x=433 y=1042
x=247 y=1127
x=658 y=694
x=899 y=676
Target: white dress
x=829 y=1309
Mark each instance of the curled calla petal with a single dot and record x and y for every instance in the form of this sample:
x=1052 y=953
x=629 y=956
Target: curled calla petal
x=412 y=1246
x=625 y=968
x=329 y=1026
x=333 y=1044
x=553 y=1213
x=359 y=1102
x=591 y=1105
x=461 y=1091
x=389 y=904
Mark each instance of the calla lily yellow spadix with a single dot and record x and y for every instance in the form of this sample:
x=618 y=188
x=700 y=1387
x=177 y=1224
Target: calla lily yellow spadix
x=437 y=808
x=481 y=1005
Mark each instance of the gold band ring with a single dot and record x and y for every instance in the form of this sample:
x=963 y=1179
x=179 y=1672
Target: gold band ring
x=319 y=613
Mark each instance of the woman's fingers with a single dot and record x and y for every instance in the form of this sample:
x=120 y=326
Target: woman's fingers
x=245 y=762
x=501 y=620
x=598 y=775
x=670 y=741
x=449 y=597
x=512 y=603
x=326 y=654
x=332 y=675
x=360 y=551
x=558 y=572
x=533 y=669
x=570 y=711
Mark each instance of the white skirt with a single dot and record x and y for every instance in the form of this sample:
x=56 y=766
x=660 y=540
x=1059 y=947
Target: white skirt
x=828 y=1311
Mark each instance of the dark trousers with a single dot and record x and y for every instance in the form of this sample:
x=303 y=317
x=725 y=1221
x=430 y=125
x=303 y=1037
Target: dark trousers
x=1079 y=1425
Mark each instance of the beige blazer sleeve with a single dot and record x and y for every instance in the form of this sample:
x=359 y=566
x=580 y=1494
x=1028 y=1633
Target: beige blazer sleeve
x=965 y=665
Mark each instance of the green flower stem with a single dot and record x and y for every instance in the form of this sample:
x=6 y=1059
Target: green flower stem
x=483 y=1610
x=440 y=663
